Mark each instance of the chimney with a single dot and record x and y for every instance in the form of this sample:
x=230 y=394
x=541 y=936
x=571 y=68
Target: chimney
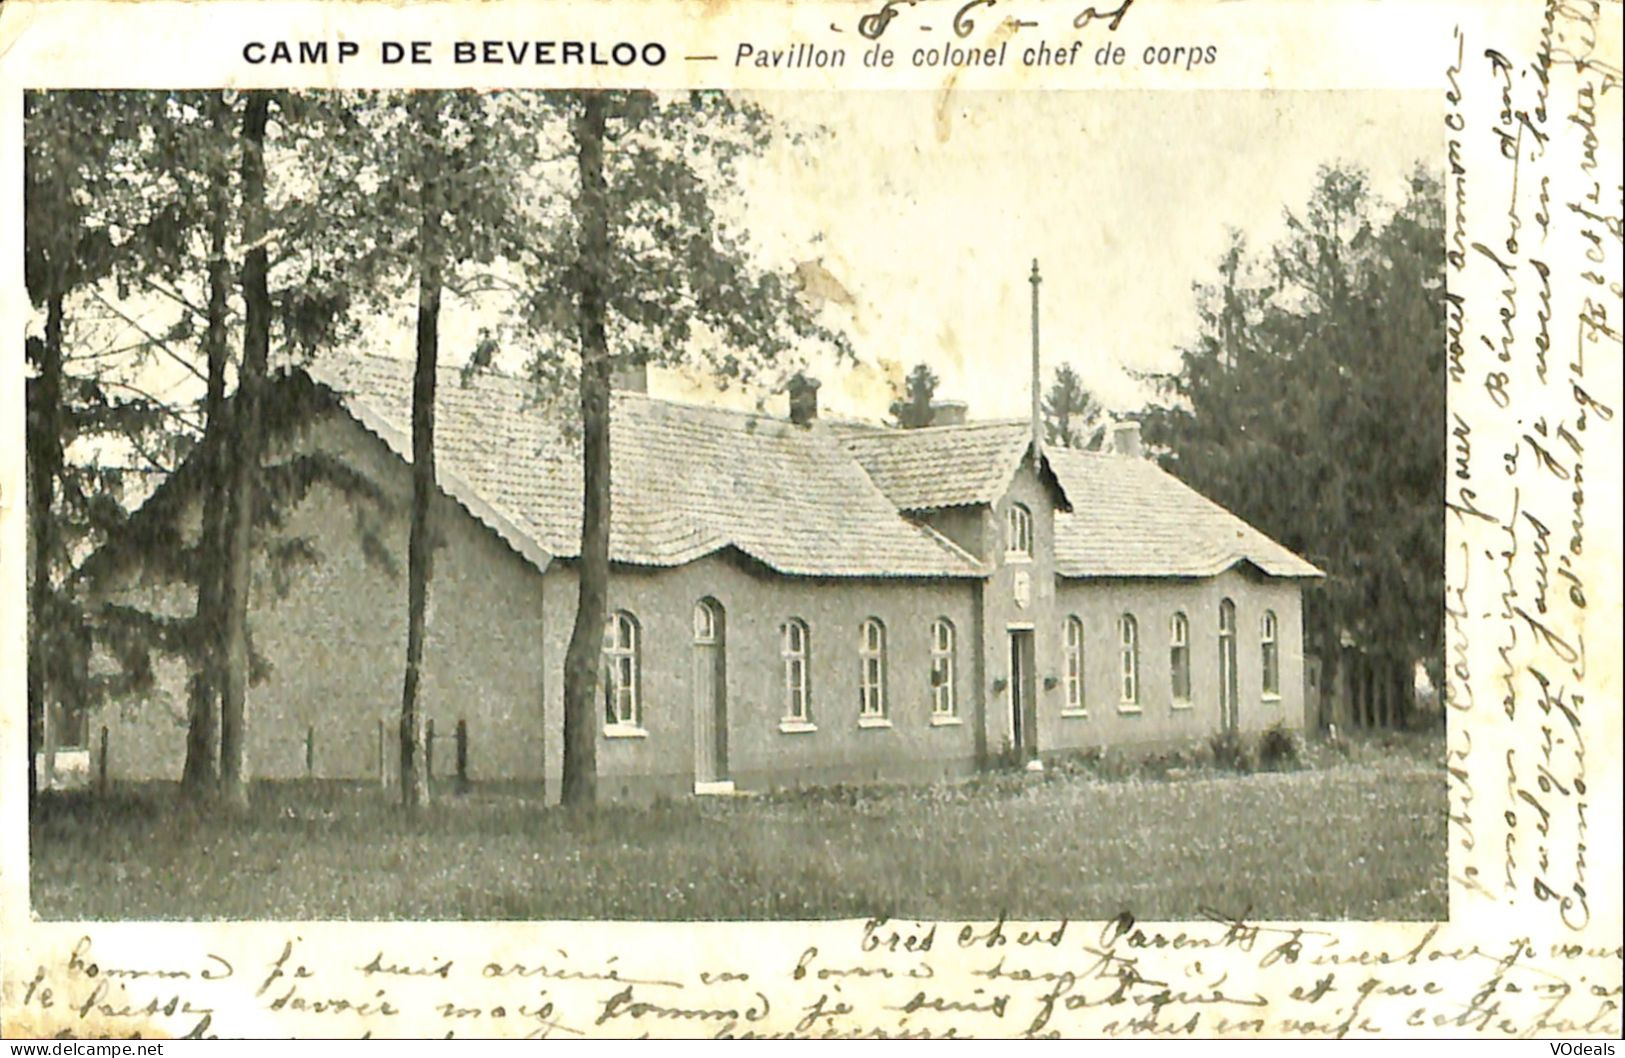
x=949 y=412
x=803 y=399
x=1126 y=439
x=629 y=377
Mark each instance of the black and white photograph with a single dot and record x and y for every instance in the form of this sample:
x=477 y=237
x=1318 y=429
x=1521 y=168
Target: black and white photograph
x=628 y=505
x=905 y=519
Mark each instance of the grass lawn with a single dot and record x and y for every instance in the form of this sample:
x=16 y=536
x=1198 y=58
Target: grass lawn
x=1360 y=839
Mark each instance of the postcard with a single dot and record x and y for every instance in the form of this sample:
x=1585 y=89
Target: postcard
x=837 y=519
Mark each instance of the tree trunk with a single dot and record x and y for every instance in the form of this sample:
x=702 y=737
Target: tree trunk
x=1368 y=692
x=420 y=549
x=1330 y=669
x=1404 y=692
x=202 y=771
x=238 y=574
x=581 y=661
x=45 y=444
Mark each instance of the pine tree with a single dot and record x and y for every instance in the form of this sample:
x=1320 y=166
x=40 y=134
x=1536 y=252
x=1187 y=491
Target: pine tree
x=1071 y=413
x=201 y=772
x=68 y=398
x=912 y=410
x=1311 y=405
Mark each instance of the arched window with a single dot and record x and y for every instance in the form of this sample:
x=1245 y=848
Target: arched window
x=1229 y=716
x=1018 y=532
x=872 y=670
x=622 y=705
x=1179 y=658
x=705 y=621
x=1128 y=635
x=794 y=649
x=1073 y=657
x=943 y=702
x=1269 y=641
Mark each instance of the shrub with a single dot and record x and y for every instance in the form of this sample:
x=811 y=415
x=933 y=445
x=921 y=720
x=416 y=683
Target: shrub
x=1281 y=748
x=1231 y=751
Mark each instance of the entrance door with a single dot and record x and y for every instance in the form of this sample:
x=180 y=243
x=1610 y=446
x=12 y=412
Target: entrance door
x=1023 y=692
x=1229 y=713
x=710 y=689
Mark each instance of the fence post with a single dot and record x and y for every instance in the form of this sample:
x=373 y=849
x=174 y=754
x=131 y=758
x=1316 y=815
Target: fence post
x=428 y=750
x=101 y=764
x=462 y=755
x=310 y=751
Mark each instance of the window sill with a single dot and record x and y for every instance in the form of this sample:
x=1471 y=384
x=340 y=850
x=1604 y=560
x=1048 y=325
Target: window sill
x=1017 y=558
x=1182 y=707
x=874 y=721
x=1075 y=714
x=946 y=721
x=1130 y=708
x=624 y=731
x=1271 y=699
x=797 y=727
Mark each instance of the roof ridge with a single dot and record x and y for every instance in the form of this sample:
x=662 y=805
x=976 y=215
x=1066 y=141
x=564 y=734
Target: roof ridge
x=498 y=374
x=669 y=402
x=684 y=461
x=495 y=373
x=1097 y=453
x=917 y=431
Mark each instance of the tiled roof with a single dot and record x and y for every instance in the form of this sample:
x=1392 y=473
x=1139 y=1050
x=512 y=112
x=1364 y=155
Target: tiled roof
x=687 y=481
x=942 y=466
x=1131 y=518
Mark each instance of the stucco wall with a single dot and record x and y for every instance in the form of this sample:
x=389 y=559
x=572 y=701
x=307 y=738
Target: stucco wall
x=336 y=644
x=1003 y=609
x=761 y=754
x=1099 y=604
x=499 y=628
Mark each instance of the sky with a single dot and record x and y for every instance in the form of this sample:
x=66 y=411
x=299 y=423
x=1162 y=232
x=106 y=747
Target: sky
x=928 y=210
x=929 y=213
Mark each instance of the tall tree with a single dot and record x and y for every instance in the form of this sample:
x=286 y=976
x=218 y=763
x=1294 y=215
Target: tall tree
x=45 y=459
x=580 y=777
x=103 y=429
x=1071 y=413
x=62 y=253
x=201 y=772
x=154 y=181
x=1310 y=404
x=246 y=455
x=912 y=409
x=325 y=257
x=420 y=553
x=452 y=168
x=651 y=265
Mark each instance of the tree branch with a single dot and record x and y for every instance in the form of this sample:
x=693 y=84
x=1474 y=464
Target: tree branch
x=156 y=342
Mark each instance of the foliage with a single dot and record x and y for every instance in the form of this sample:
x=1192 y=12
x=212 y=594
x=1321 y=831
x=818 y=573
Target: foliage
x=912 y=409
x=1280 y=748
x=1232 y=750
x=134 y=213
x=1363 y=841
x=1072 y=415
x=156 y=209
x=684 y=283
x=77 y=403
x=1311 y=402
x=644 y=268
